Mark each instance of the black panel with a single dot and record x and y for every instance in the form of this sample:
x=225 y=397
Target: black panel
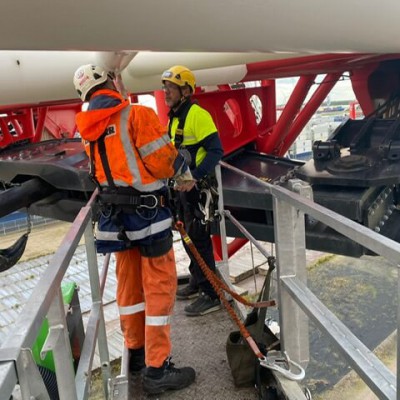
x=240 y=191
x=251 y=204
x=62 y=167
x=369 y=155
x=61 y=163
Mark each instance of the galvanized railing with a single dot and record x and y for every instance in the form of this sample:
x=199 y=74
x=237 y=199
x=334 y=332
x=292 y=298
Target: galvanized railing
x=297 y=302
x=16 y=361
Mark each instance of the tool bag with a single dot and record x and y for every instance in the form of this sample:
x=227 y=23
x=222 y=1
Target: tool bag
x=245 y=367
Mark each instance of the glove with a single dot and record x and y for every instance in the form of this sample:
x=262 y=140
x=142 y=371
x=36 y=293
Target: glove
x=184 y=182
x=184 y=177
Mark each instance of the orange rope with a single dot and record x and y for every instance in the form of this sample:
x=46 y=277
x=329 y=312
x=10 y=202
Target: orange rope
x=220 y=286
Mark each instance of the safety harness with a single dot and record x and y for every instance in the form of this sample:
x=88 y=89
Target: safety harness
x=112 y=200
x=181 y=123
x=207 y=185
x=128 y=197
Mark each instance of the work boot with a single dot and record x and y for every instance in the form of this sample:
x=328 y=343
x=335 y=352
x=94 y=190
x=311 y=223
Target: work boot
x=202 y=306
x=167 y=377
x=136 y=360
x=187 y=292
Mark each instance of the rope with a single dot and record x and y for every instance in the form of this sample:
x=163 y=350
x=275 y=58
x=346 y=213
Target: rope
x=220 y=286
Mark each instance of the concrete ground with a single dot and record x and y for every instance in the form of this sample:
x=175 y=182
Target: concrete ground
x=352 y=387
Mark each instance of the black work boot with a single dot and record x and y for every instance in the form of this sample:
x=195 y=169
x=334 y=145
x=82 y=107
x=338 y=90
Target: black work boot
x=167 y=377
x=136 y=360
x=187 y=292
x=202 y=305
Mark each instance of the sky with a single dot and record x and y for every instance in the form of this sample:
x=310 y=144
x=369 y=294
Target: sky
x=341 y=91
x=284 y=87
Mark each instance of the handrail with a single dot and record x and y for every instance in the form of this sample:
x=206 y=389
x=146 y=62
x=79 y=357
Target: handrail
x=289 y=209
x=45 y=300
x=381 y=245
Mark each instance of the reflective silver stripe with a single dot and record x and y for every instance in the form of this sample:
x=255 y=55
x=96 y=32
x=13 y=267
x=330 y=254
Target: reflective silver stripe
x=188 y=138
x=154 y=145
x=130 y=310
x=158 y=321
x=130 y=155
x=137 y=235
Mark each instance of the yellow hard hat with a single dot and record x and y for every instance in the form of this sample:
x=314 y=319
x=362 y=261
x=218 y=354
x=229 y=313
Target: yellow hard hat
x=180 y=75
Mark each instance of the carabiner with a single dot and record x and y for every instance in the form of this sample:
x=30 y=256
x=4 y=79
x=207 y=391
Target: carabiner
x=206 y=208
x=274 y=358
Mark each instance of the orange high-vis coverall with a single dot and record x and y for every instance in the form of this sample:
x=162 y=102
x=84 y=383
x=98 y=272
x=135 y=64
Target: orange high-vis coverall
x=140 y=155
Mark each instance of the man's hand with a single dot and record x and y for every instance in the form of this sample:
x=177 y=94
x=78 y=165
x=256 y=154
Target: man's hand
x=184 y=182
x=184 y=185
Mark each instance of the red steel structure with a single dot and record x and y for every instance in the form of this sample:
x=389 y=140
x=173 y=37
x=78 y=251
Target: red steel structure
x=242 y=114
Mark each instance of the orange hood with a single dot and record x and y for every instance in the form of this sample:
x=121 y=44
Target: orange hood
x=92 y=123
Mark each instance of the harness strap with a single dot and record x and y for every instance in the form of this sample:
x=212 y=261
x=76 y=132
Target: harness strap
x=135 y=201
x=104 y=161
x=116 y=217
x=181 y=124
x=92 y=173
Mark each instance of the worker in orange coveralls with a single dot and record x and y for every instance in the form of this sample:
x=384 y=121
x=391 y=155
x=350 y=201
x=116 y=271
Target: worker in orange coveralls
x=131 y=158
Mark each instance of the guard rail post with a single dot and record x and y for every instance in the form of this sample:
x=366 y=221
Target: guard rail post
x=58 y=341
x=97 y=296
x=289 y=229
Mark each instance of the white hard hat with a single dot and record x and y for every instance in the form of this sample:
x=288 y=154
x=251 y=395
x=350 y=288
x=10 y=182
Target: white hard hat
x=87 y=77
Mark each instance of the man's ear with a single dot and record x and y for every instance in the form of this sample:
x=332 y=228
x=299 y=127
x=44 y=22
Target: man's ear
x=186 y=90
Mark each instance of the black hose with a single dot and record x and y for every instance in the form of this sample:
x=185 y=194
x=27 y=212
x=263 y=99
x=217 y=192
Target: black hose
x=23 y=195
